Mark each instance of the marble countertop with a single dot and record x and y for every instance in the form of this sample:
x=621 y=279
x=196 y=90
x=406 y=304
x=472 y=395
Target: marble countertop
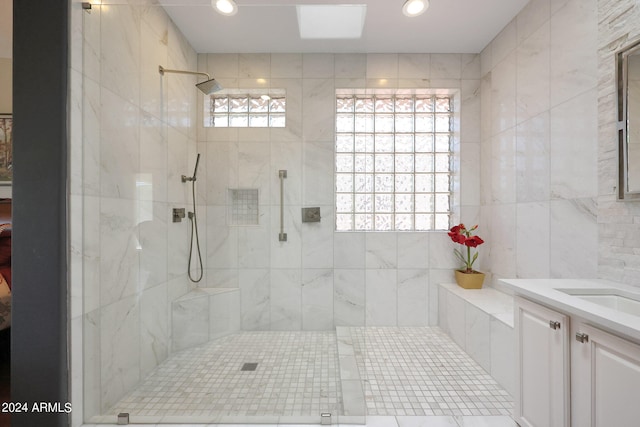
x=548 y=292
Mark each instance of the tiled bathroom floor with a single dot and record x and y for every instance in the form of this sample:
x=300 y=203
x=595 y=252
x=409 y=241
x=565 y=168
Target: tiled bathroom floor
x=297 y=374
x=404 y=372
x=421 y=371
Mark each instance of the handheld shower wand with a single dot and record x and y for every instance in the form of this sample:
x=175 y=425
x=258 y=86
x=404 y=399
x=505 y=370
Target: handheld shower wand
x=194 y=226
x=195 y=171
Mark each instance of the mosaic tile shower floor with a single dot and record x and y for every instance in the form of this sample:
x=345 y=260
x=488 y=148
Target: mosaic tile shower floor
x=297 y=374
x=404 y=371
x=421 y=371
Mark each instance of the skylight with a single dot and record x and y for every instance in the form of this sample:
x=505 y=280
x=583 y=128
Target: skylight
x=331 y=21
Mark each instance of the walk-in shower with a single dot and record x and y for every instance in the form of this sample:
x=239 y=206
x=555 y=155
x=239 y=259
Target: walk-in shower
x=207 y=87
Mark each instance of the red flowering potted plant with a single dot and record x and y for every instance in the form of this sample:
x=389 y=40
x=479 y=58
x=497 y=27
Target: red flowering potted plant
x=467 y=277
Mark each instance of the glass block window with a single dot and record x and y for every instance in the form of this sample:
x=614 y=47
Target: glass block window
x=245 y=110
x=393 y=162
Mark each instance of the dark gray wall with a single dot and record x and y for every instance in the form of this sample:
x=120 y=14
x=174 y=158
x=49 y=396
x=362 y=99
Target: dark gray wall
x=39 y=359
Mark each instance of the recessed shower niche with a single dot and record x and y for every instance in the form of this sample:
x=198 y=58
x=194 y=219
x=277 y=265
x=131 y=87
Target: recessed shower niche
x=243 y=206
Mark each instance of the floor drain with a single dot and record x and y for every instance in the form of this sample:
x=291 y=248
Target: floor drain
x=249 y=367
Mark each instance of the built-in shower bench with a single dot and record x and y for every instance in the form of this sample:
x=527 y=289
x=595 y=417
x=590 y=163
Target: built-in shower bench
x=481 y=322
x=202 y=315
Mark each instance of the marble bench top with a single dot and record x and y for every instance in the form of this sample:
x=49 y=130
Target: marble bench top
x=491 y=301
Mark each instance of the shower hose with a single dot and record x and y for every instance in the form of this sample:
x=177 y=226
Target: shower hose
x=194 y=232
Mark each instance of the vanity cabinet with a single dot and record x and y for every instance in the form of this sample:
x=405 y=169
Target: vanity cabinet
x=605 y=379
x=542 y=376
x=570 y=373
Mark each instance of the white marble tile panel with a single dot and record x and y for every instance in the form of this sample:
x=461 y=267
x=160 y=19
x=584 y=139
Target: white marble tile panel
x=437 y=299
x=572 y=221
x=177 y=165
x=350 y=65
x=532 y=240
x=254 y=65
x=76 y=257
x=486 y=60
x=222 y=239
x=153 y=245
x=286 y=254
x=318 y=104
x=533 y=74
x=221 y=278
x=91 y=130
x=573 y=147
x=75 y=132
x=382 y=65
x=504 y=44
x=119 y=350
x=471 y=67
x=574 y=64
x=221 y=160
x=414 y=65
x=349 y=297
x=470 y=118
x=224 y=314
x=532 y=159
x=154 y=328
x=317 y=240
x=178 y=244
x=455 y=313
x=318 y=170
x=287 y=65
x=119 y=146
x=381 y=297
x=503 y=94
x=317 y=299
x=255 y=299
x=381 y=250
x=153 y=52
x=470 y=168
x=441 y=251
x=503 y=345
x=222 y=65
x=317 y=65
x=119 y=255
x=413 y=297
x=503 y=241
x=254 y=242
x=477 y=335
x=254 y=169
x=286 y=299
x=413 y=250
x=503 y=167
x=153 y=159
x=286 y=156
x=531 y=17
x=120 y=51
x=189 y=322
x=91 y=370
x=446 y=66
x=349 y=250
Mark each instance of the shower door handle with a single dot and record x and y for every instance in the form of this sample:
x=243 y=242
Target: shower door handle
x=282 y=236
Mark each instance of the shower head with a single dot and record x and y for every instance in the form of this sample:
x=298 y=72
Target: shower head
x=207 y=87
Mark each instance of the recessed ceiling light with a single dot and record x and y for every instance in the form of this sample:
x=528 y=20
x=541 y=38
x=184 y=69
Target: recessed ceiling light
x=415 y=7
x=225 y=7
x=340 y=21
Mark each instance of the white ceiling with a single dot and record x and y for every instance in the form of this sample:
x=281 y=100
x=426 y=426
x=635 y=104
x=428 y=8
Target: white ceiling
x=448 y=26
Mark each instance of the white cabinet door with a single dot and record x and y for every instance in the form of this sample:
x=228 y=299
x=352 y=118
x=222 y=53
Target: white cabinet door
x=542 y=389
x=605 y=379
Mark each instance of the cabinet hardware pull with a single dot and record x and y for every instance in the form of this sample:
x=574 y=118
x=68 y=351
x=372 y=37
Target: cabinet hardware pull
x=554 y=324
x=583 y=338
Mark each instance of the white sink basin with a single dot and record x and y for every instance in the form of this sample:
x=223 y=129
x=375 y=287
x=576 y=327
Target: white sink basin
x=615 y=299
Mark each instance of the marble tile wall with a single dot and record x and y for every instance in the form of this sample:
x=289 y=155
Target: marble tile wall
x=618 y=224
x=320 y=279
x=133 y=135
x=539 y=150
